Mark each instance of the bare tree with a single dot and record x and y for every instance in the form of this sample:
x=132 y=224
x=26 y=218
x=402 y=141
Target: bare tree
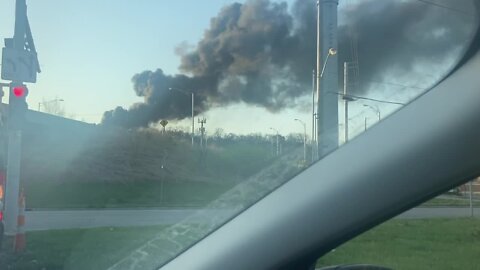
x=54 y=107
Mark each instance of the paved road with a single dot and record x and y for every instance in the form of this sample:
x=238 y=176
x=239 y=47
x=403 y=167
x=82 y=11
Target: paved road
x=50 y=220
x=75 y=219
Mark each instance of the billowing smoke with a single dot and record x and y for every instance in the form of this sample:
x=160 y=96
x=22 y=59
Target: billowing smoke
x=261 y=53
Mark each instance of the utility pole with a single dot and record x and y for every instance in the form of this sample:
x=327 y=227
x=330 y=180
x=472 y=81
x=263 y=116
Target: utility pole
x=19 y=65
x=304 y=139
x=471 y=198
x=202 y=130
x=327 y=80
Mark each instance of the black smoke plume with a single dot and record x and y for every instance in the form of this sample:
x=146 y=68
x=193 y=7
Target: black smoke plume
x=261 y=53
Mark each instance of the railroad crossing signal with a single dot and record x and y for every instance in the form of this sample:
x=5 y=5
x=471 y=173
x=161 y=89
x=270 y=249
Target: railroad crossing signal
x=19 y=65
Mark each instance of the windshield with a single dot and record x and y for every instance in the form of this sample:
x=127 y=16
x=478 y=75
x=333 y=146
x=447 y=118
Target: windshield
x=153 y=123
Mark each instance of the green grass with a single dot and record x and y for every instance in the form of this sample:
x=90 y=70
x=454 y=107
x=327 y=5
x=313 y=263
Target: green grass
x=78 y=249
x=414 y=244
x=118 y=195
x=399 y=244
x=144 y=168
x=454 y=202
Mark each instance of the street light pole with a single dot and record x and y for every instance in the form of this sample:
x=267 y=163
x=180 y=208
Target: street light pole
x=376 y=109
x=193 y=106
x=345 y=85
x=324 y=108
x=304 y=139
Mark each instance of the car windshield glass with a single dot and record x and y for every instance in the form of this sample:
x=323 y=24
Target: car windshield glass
x=153 y=123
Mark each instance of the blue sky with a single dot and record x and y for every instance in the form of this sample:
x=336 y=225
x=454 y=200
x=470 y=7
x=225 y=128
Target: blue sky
x=90 y=49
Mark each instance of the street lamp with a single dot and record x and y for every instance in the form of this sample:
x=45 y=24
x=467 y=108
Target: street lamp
x=304 y=139
x=193 y=105
x=332 y=52
x=49 y=101
x=278 y=149
x=376 y=109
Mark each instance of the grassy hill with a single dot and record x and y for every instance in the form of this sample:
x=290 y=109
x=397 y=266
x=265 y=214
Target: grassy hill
x=108 y=167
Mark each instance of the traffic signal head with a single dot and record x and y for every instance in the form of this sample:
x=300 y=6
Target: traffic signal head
x=17 y=105
x=19 y=91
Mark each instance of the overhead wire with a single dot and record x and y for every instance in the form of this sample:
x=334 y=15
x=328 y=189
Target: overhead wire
x=428 y=2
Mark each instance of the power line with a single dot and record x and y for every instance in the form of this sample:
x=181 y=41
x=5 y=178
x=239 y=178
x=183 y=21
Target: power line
x=377 y=100
x=445 y=7
x=398 y=84
x=367 y=98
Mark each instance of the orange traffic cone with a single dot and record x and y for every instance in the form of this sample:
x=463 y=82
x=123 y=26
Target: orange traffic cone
x=20 y=239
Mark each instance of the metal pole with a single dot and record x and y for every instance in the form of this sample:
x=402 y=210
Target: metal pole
x=278 y=149
x=317 y=141
x=471 y=198
x=318 y=69
x=12 y=190
x=304 y=139
x=365 y=123
x=313 y=116
x=304 y=143
x=20 y=24
x=345 y=82
x=324 y=65
x=193 y=119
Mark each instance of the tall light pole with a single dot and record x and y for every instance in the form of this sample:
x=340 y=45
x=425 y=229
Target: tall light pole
x=313 y=117
x=304 y=139
x=324 y=120
x=374 y=108
x=278 y=149
x=345 y=88
x=327 y=77
x=193 y=106
x=49 y=101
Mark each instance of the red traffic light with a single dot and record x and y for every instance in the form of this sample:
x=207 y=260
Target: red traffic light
x=19 y=91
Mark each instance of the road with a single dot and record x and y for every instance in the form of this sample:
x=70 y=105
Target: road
x=76 y=219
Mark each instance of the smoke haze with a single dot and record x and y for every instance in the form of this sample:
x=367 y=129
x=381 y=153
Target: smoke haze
x=262 y=53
